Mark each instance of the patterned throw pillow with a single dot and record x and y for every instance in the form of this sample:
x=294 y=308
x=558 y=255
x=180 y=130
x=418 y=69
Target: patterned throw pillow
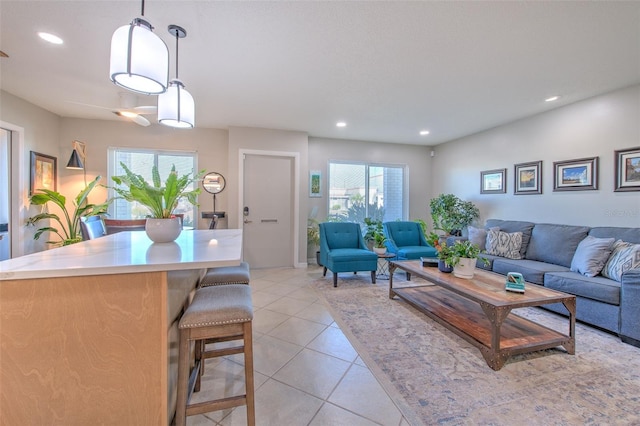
x=624 y=256
x=503 y=244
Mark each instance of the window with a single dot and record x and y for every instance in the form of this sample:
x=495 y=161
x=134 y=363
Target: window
x=140 y=162
x=357 y=191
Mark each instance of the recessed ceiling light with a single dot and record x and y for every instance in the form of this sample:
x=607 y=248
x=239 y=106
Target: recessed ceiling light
x=341 y=124
x=424 y=132
x=50 y=38
x=552 y=98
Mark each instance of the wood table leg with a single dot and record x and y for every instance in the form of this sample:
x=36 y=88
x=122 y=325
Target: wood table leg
x=392 y=268
x=495 y=357
x=571 y=307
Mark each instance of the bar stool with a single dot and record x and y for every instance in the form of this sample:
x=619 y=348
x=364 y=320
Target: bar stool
x=224 y=313
x=226 y=275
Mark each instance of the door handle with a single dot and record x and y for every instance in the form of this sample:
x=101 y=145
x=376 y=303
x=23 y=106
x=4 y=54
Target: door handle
x=269 y=220
x=248 y=221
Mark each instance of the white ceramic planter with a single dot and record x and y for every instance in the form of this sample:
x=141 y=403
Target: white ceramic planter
x=163 y=230
x=465 y=268
x=379 y=250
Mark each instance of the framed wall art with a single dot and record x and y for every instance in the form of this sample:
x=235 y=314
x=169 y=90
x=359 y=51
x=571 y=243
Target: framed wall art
x=44 y=172
x=528 y=178
x=627 y=169
x=576 y=175
x=315 y=183
x=493 y=181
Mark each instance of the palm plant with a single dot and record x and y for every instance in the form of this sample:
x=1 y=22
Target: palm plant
x=68 y=228
x=160 y=200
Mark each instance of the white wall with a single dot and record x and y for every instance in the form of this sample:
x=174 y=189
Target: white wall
x=321 y=151
x=99 y=135
x=591 y=128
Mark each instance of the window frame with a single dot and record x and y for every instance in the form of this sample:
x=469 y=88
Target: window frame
x=367 y=177
x=112 y=165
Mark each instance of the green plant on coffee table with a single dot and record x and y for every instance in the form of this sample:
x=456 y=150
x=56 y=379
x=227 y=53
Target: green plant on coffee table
x=463 y=249
x=160 y=200
x=69 y=225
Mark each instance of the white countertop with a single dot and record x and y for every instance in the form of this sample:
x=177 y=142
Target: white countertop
x=127 y=252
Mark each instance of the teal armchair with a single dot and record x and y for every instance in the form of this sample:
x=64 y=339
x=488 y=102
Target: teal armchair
x=342 y=249
x=406 y=240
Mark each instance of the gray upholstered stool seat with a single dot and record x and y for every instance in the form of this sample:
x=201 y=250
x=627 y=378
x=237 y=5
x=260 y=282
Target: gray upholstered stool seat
x=224 y=313
x=227 y=275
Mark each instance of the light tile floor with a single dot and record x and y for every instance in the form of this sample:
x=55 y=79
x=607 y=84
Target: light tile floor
x=306 y=371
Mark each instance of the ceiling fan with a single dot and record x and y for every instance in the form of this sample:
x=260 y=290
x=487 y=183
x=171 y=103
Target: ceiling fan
x=129 y=109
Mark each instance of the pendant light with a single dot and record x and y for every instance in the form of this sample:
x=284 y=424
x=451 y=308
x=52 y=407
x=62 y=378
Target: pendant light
x=175 y=106
x=139 y=58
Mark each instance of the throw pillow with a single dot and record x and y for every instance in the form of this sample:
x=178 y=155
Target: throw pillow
x=625 y=256
x=503 y=244
x=477 y=236
x=591 y=255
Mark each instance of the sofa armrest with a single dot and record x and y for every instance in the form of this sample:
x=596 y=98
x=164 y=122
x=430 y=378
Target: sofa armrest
x=630 y=305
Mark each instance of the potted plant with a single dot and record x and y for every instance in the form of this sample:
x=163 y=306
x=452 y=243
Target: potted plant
x=313 y=238
x=379 y=241
x=444 y=252
x=372 y=227
x=462 y=257
x=68 y=230
x=451 y=214
x=161 y=200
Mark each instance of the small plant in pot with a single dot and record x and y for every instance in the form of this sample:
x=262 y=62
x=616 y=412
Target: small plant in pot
x=444 y=252
x=371 y=229
x=313 y=238
x=462 y=257
x=161 y=200
x=379 y=241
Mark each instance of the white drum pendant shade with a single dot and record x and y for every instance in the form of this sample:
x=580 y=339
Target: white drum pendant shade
x=176 y=107
x=139 y=59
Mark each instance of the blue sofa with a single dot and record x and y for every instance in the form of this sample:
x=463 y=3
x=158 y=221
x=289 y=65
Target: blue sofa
x=547 y=251
x=342 y=249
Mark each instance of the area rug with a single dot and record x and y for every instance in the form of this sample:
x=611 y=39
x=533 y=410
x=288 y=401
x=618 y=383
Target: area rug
x=435 y=377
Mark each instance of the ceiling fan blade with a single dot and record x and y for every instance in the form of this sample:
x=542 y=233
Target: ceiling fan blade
x=138 y=119
x=146 y=109
x=3 y=55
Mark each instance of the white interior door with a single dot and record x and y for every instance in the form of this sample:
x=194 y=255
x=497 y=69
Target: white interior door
x=268 y=211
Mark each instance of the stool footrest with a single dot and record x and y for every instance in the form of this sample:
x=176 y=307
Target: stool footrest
x=220 y=404
x=222 y=352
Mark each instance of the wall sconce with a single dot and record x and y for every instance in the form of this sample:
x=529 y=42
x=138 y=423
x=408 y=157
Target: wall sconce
x=78 y=156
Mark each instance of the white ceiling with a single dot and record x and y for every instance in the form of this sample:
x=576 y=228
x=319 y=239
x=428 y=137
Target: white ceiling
x=389 y=69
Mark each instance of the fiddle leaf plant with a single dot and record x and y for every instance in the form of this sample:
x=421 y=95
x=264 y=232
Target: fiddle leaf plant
x=67 y=227
x=160 y=200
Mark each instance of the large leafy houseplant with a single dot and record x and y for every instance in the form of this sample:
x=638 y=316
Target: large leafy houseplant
x=68 y=226
x=451 y=214
x=160 y=200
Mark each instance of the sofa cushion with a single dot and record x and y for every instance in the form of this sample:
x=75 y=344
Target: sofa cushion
x=504 y=244
x=555 y=243
x=625 y=256
x=532 y=271
x=631 y=235
x=514 y=226
x=591 y=255
x=595 y=288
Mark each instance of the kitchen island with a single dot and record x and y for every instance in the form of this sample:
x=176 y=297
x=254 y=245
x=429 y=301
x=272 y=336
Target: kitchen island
x=88 y=332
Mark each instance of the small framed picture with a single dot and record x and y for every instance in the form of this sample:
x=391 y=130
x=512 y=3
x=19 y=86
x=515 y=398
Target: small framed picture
x=315 y=183
x=576 y=175
x=493 y=181
x=528 y=178
x=627 y=169
x=44 y=172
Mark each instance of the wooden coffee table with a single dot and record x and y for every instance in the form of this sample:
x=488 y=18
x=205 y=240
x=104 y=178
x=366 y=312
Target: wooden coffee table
x=478 y=310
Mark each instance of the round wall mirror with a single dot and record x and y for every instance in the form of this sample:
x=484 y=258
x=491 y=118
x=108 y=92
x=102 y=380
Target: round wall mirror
x=213 y=183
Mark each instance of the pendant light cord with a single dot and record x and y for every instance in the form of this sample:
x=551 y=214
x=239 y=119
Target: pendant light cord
x=177 y=54
x=142 y=7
